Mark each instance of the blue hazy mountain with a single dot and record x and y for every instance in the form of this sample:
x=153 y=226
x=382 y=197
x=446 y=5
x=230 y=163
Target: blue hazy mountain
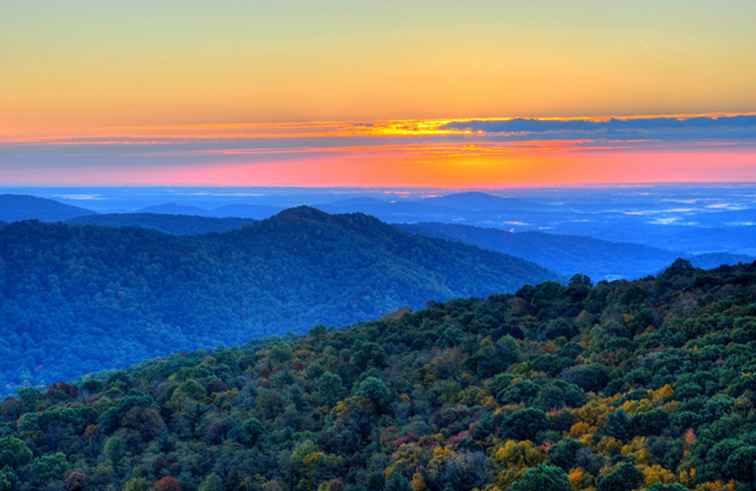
x=76 y=299
x=566 y=254
x=571 y=254
x=174 y=209
x=476 y=202
x=169 y=224
x=692 y=219
x=15 y=207
x=245 y=210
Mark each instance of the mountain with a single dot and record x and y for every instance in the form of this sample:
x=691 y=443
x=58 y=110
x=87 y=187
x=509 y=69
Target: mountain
x=625 y=385
x=174 y=209
x=169 y=224
x=81 y=298
x=243 y=210
x=447 y=208
x=572 y=254
x=474 y=201
x=16 y=207
x=565 y=254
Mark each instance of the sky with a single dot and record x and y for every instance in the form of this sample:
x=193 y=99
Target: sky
x=376 y=93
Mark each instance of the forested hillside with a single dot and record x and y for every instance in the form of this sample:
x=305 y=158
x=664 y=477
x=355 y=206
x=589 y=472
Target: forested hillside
x=76 y=299
x=626 y=385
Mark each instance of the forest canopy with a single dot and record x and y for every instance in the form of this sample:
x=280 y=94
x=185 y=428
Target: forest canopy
x=648 y=384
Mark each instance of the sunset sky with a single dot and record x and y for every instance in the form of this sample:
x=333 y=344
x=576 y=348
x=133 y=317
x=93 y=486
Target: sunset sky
x=380 y=93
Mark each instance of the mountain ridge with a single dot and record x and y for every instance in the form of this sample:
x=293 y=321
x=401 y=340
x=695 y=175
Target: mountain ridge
x=79 y=297
x=16 y=207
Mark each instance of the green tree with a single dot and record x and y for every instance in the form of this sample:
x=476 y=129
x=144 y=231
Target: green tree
x=115 y=450
x=564 y=453
x=136 y=484
x=249 y=432
x=211 y=483
x=49 y=467
x=14 y=453
x=397 y=482
x=7 y=479
x=375 y=390
x=543 y=478
x=525 y=424
x=330 y=388
x=621 y=477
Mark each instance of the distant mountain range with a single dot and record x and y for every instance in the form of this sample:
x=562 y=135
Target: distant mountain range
x=564 y=254
x=233 y=210
x=623 y=248
x=75 y=299
x=571 y=254
x=173 y=209
x=16 y=207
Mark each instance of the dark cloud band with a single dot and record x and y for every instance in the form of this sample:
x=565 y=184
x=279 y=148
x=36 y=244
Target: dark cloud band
x=741 y=127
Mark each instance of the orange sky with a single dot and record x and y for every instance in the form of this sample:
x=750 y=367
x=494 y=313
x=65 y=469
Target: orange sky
x=359 y=93
x=425 y=153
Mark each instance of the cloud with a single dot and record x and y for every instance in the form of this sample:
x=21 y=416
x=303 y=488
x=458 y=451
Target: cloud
x=730 y=128
x=433 y=153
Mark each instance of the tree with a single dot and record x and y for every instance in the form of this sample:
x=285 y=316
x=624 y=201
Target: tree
x=75 y=480
x=397 y=482
x=248 y=432
x=7 y=479
x=622 y=477
x=375 y=390
x=543 y=478
x=49 y=467
x=593 y=377
x=168 y=483
x=330 y=388
x=525 y=424
x=14 y=453
x=617 y=425
x=741 y=465
x=211 y=483
x=115 y=450
x=136 y=484
x=564 y=453
x=652 y=422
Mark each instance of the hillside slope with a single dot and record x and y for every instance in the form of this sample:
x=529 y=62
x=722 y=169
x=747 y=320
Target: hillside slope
x=566 y=254
x=571 y=254
x=16 y=207
x=625 y=385
x=76 y=299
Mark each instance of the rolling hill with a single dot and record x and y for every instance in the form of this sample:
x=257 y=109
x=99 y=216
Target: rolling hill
x=80 y=298
x=572 y=254
x=566 y=254
x=16 y=207
x=644 y=385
